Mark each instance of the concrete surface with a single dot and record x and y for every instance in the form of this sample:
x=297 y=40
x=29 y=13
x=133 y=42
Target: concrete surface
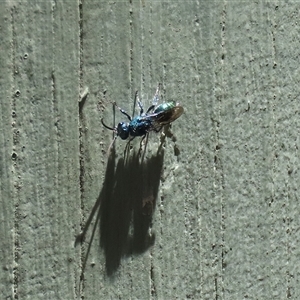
x=213 y=215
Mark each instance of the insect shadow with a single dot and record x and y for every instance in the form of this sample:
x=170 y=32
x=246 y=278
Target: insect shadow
x=125 y=207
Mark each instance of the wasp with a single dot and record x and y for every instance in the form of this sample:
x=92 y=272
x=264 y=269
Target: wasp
x=154 y=119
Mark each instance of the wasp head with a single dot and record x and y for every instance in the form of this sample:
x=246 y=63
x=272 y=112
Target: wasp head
x=123 y=130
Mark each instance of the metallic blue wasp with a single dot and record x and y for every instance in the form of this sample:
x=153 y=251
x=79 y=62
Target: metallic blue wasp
x=153 y=120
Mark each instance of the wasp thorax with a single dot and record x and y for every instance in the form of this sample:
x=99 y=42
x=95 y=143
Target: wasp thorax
x=123 y=130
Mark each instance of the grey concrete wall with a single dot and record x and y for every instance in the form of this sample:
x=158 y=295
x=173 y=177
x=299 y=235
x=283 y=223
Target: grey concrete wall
x=213 y=215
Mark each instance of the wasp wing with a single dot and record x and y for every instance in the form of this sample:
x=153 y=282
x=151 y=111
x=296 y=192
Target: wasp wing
x=158 y=120
x=168 y=116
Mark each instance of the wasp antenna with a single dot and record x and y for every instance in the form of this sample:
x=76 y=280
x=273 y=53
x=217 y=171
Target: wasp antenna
x=118 y=107
x=110 y=128
x=115 y=104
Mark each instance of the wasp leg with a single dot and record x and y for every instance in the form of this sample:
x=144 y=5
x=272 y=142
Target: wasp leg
x=143 y=139
x=158 y=129
x=150 y=108
x=127 y=147
x=139 y=104
x=163 y=137
x=123 y=111
x=141 y=146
